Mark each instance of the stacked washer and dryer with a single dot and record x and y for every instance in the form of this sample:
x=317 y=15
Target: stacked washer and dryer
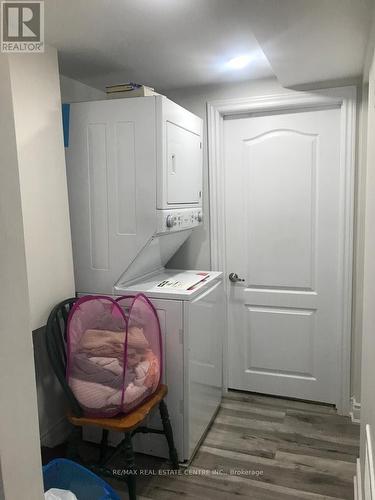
x=135 y=193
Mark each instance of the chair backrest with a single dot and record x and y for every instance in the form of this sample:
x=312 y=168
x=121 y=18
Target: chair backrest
x=56 y=348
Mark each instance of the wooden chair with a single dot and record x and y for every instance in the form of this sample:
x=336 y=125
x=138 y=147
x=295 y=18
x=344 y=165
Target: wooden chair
x=129 y=424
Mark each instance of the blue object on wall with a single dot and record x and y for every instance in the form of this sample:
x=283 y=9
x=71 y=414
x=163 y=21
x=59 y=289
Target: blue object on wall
x=65 y=119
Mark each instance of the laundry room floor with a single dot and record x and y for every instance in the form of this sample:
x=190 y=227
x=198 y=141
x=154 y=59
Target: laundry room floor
x=260 y=448
x=263 y=448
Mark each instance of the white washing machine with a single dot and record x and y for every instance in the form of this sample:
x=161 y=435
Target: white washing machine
x=192 y=322
x=192 y=318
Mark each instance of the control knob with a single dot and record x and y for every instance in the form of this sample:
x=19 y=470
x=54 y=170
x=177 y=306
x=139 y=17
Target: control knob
x=170 y=221
x=200 y=217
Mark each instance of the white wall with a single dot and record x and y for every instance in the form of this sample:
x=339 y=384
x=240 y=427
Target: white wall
x=359 y=243
x=75 y=91
x=38 y=122
x=19 y=434
x=45 y=212
x=368 y=335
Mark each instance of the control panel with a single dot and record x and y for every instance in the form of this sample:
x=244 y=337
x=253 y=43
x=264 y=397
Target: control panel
x=178 y=219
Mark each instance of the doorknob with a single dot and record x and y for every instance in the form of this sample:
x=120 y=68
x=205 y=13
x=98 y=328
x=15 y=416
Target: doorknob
x=234 y=278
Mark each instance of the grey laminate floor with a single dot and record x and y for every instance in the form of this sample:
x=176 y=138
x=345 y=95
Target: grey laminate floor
x=266 y=448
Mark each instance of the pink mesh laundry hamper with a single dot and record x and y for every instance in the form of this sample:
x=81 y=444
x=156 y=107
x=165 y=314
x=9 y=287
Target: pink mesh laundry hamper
x=114 y=353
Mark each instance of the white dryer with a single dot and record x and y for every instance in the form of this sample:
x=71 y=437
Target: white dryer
x=134 y=170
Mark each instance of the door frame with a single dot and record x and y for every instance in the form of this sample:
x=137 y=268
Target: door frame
x=345 y=99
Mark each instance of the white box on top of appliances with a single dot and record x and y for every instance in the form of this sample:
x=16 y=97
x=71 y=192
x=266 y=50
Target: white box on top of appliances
x=134 y=169
x=192 y=323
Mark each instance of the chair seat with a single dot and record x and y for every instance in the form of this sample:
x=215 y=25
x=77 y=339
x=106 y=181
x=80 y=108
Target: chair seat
x=124 y=423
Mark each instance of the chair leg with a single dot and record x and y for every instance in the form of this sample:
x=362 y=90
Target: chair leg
x=168 y=434
x=103 y=446
x=129 y=460
x=74 y=440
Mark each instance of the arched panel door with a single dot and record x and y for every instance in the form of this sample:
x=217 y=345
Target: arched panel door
x=283 y=228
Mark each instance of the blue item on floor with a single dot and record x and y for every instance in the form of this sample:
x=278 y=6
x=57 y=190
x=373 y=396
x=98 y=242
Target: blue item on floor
x=68 y=475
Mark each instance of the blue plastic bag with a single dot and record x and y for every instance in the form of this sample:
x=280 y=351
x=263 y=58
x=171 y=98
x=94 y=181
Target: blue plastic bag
x=68 y=475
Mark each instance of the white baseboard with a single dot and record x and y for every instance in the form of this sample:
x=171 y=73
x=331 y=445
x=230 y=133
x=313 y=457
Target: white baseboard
x=357 y=482
x=355 y=411
x=368 y=488
x=56 y=434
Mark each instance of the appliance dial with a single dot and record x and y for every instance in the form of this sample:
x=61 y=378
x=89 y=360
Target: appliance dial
x=169 y=221
x=200 y=217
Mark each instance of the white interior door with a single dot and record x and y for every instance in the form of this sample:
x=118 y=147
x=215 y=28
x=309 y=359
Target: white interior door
x=283 y=229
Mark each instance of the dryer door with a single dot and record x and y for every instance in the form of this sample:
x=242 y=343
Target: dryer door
x=184 y=157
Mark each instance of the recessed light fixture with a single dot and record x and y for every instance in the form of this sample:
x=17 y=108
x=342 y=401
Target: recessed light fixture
x=239 y=62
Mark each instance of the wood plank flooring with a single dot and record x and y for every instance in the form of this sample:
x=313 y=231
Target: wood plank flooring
x=264 y=448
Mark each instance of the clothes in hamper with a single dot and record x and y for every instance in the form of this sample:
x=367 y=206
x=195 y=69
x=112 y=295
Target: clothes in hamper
x=98 y=370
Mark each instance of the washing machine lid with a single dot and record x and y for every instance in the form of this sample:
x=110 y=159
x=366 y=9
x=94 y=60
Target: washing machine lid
x=171 y=284
x=153 y=256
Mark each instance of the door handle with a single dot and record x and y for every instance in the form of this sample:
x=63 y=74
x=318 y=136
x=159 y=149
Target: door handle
x=234 y=278
x=173 y=160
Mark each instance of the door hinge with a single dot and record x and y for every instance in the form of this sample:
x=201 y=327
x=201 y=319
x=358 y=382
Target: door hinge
x=200 y=145
x=181 y=336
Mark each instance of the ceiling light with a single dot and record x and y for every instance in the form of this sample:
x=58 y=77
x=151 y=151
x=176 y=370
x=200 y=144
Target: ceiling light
x=239 y=62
